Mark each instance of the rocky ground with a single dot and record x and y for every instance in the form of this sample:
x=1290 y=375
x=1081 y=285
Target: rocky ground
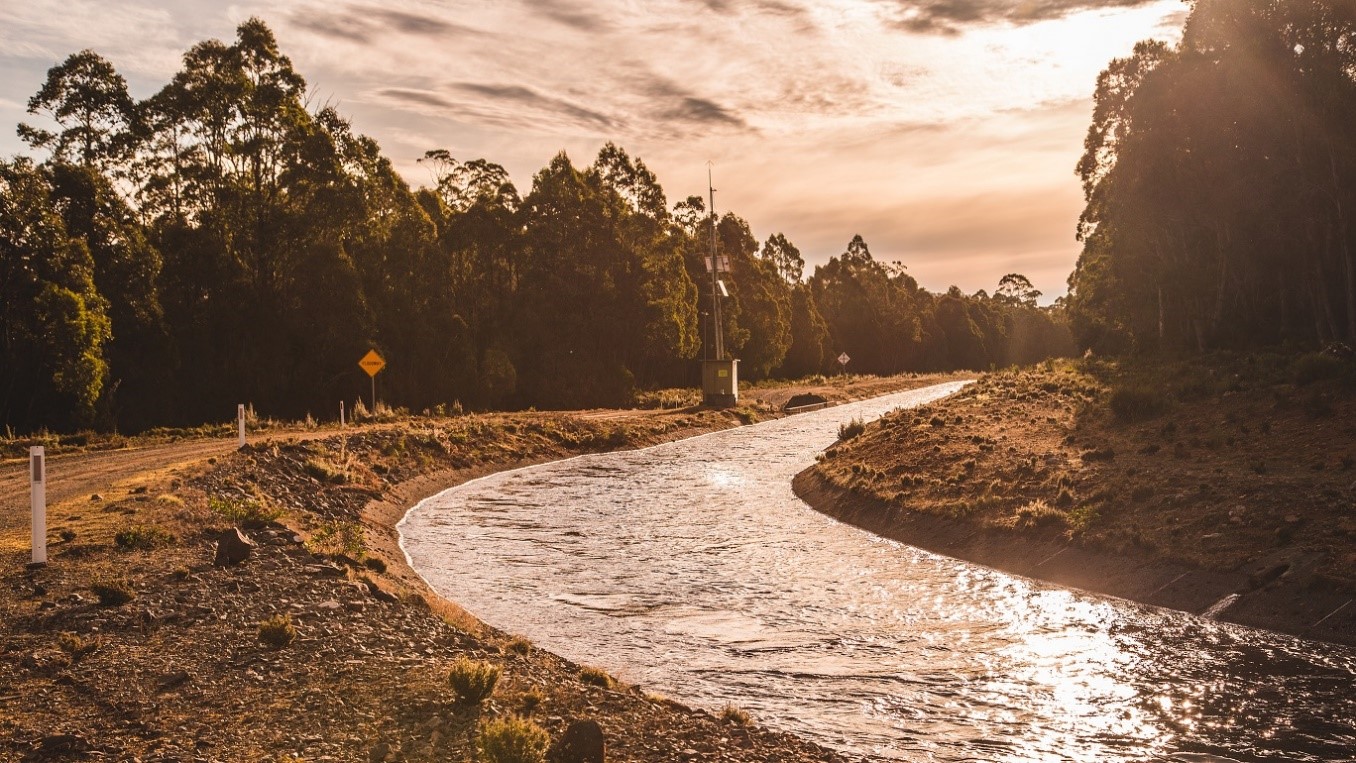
x=1176 y=483
x=137 y=643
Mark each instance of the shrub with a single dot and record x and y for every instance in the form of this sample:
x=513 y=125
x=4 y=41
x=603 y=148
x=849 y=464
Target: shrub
x=513 y=740
x=338 y=538
x=595 y=676
x=246 y=512
x=142 y=537
x=1038 y=513
x=277 y=631
x=519 y=645
x=113 y=592
x=851 y=429
x=732 y=714
x=472 y=680
x=1137 y=403
x=1081 y=518
x=531 y=700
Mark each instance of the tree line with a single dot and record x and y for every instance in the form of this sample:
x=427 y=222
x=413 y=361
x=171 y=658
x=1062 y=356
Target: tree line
x=1220 y=179
x=221 y=242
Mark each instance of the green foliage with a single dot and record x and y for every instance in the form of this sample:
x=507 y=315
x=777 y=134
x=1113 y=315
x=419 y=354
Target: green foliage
x=1195 y=235
x=53 y=322
x=143 y=538
x=338 y=538
x=512 y=740
x=472 y=681
x=249 y=513
x=277 y=631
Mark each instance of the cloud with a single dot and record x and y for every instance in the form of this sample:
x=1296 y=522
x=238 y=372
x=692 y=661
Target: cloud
x=531 y=99
x=947 y=17
x=569 y=14
x=416 y=97
x=702 y=111
x=365 y=23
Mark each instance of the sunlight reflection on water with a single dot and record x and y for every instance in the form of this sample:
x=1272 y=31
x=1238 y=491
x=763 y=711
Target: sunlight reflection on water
x=691 y=569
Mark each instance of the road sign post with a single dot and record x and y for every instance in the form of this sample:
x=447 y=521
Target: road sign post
x=372 y=363
x=843 y=361
x=37 y=475
x=240 y=424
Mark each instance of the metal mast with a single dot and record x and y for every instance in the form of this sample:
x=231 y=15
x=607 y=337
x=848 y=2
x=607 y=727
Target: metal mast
x=719 y=343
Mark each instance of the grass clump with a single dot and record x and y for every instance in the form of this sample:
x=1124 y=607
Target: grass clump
x=512 y=740
x=142 y=538
x=246 y=512
x=323 y=470
x=338 y=538
x=77 y=646
x=472 y=681
x=851 y=429
x=531 y=700
x=113 y=592
x=519 y=645
x=733 y=714
x=1038 y=513
x=595 y=676
x=277 y=631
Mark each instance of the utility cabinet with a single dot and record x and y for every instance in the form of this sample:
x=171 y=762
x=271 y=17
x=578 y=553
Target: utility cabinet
x=720 y=383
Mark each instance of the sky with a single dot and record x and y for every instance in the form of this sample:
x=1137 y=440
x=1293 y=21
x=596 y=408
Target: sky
x=944 y=132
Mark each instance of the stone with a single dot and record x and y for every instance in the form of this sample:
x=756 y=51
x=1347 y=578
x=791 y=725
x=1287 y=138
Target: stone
x=232 y=548
x=379 y=752
x=582 y=742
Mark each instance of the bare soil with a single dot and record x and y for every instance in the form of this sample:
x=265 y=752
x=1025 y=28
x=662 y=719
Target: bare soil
x=1176 y=484
x=179 y=672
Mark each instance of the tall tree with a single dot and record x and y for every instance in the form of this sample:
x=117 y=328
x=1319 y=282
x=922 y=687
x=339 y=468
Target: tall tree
x=53 y=322
x=88 y=100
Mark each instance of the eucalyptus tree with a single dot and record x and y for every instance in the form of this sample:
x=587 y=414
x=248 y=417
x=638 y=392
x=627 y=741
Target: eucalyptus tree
x=785 y=258
x=88 y=100
x=53 y=322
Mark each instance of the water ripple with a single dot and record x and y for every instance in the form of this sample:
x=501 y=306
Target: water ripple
x=692 y=569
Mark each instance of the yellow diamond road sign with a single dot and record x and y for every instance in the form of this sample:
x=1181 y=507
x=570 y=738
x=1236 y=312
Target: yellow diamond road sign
x=372 y=363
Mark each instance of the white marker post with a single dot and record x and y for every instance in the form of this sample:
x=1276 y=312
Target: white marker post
x=240 y=422
x=341 y=414
x=37 y=474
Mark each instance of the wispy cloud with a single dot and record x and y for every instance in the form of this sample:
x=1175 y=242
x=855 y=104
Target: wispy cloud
x=953 y=16
x=575 y=15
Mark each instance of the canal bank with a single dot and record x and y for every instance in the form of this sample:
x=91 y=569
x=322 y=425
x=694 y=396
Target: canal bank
x=1209 y=491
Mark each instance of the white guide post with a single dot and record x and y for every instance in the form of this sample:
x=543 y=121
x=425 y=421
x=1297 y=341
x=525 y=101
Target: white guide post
x=37 y=474
x=341 y=413
x=240 y=422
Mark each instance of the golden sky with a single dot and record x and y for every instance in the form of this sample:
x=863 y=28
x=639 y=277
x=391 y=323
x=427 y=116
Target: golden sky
x=945 y=132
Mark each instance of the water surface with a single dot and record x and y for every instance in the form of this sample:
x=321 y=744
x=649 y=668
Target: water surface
x=691 y=569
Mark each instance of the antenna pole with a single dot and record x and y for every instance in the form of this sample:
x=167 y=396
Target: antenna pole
x=715 y=273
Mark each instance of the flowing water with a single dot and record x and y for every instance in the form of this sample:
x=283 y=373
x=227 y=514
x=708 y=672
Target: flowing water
x=691 y=569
